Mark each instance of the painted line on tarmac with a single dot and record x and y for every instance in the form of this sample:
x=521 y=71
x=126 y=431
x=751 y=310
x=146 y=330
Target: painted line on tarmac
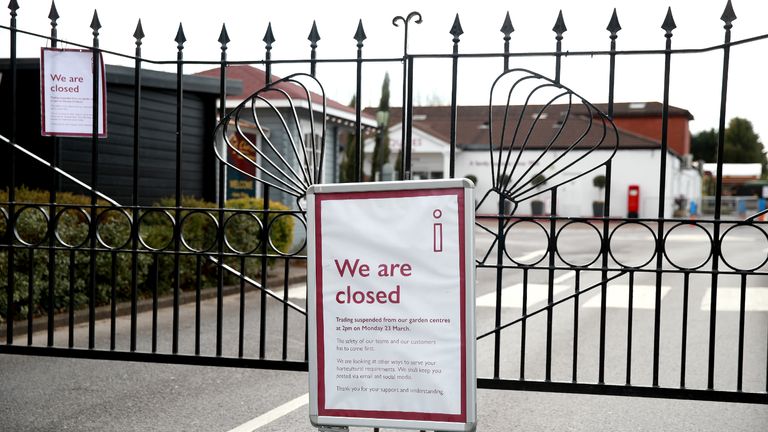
x=643 y=297
x=275 y=414
x=729 y=299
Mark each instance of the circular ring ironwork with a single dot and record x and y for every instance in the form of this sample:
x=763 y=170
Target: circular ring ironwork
x=269 y=236
x=102 y=218
x=227 y=223
x=692 y=224
x=506 y=234
x=142 y=220
x=610 y=244
x=186 y=219
x=18 y=221
x=557 y=240
x=59 y=223
x=722 y=239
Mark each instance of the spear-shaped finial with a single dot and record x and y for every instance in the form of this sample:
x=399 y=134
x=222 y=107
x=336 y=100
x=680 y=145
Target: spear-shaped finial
x=559 y=27
x=507 y=28
x=728 y=15
x=613 y=25
x=456 y=29
x=269 y=38
x=95 y=24
x=223 y=37
x=138 y=34
x=669 y=23
x=13 y=6
x=53 y=14
x=314 y=36
x=360 y=34
x=180 y=38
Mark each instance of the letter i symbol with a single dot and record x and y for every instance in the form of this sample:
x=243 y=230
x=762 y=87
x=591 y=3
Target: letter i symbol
x=437 y=227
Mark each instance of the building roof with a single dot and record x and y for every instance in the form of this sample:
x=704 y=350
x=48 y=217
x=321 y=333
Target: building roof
x=735 y=169
x=472 y=128
x=254 y=79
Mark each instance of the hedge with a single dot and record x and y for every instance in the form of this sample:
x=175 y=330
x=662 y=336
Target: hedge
x=198 y=230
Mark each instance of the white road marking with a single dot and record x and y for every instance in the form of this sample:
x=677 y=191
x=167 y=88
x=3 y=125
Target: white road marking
x=728 y=299
x=531 y=255
x=512 y=296
x=298 y=291
x=564 y=277
x=270 y=416
x=644 y=297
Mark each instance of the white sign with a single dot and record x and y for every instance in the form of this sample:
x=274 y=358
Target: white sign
x=66 y=93
x=391 y=283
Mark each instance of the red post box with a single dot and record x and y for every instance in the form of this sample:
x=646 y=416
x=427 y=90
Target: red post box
x=633 y=201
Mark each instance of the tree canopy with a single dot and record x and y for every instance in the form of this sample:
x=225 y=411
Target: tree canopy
x=742 y=144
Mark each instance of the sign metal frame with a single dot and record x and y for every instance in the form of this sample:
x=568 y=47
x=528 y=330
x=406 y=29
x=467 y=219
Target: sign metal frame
x=395 y=419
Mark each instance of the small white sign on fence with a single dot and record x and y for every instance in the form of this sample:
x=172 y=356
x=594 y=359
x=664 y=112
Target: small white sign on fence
x=391 y=305
x=66 y=93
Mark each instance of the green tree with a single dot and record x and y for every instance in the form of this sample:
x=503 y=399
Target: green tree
x=742 y=144
x=348 y=170
x=381 y=148
x=704 y=145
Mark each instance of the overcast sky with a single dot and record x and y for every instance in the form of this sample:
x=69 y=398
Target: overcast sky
x=695 y=77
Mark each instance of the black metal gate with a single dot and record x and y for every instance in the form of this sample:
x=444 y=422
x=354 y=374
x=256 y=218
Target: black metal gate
x=65 y=261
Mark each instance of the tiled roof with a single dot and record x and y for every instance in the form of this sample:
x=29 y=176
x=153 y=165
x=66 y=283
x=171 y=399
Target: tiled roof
x=254 y=79
x=472 y=129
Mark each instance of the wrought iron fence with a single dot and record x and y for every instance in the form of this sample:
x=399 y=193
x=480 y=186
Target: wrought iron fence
x=103 y=251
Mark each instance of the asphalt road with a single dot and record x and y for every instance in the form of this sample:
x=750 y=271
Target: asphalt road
x=48 y=394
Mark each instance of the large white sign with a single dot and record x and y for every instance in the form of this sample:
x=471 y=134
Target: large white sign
x=391 y=305
x=66 y=93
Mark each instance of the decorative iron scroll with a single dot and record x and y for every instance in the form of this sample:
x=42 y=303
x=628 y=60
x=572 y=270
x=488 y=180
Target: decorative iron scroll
x=529 y=102
x=291 y=165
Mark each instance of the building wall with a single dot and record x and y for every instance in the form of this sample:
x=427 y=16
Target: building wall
x=640 y=167
x=679 y=136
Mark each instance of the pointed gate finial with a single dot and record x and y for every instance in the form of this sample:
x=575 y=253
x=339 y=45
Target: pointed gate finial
x=507 y=27
x=560 y=27
x=669 y=22
x=613 y=25
x=95 y=24
x=269 y=37
x=223 y=37
x=53 y=15
x=314 y=35
x=180 y=38
x=13 y=6
x=456 y=29
x=360 y=34
x=728 y=15
x=139 y=32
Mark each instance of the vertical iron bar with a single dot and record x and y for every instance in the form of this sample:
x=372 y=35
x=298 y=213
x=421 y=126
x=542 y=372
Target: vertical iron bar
x=52 y=202
x=662 y=202
x=613 y=28
x=507 y=30
x=499 y=273
x=241 y=328
x=457 y=31
x=30 y=293
x=403 y=130
x=559 y=29
x=264 y=269
x=138 y=34
x=222 y=203
x=71 y=293
x=409 y=124
x=684 y=339
x=742 y=312
x=718 y=207
x=577 y=282
x=113 y=302
x=180 y=39
x=285 y=310
x=155 y=281
x=523 y=323
x=630 y=312
x=552 y=250
x=198 y=286
x=358 y=115
x=95 y=119
x=11 y=185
